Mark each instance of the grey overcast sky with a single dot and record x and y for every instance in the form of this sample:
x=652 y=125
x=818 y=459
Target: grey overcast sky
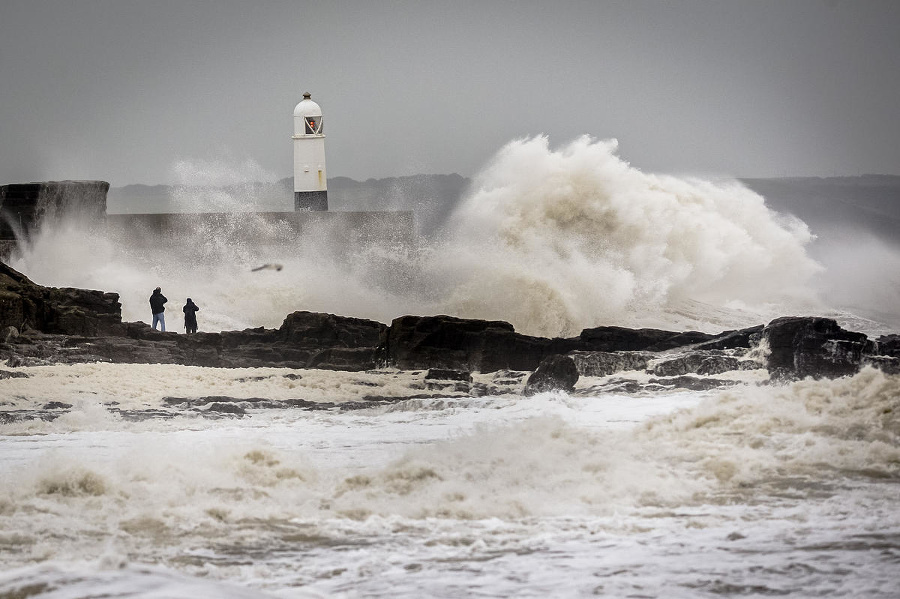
x=122 y=90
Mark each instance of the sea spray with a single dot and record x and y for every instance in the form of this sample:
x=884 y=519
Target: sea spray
x=226 y=186
x=553 y=241
x=560 y=240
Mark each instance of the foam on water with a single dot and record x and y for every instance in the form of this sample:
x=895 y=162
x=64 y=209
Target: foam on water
x=732 y=441
x=267 y=500
x=552 y=240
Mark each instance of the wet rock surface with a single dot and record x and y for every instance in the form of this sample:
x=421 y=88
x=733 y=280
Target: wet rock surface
x=43 y=325
x=555 y=373
x=816 y=347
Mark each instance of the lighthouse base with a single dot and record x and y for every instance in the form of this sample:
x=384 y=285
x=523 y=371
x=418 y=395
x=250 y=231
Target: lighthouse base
x=310 y=200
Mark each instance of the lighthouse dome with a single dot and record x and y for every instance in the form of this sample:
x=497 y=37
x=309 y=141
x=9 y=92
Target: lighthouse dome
x=307 y=107
x=307 y=118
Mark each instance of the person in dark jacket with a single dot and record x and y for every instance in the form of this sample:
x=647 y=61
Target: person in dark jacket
x=156 y=306
x=190 y=316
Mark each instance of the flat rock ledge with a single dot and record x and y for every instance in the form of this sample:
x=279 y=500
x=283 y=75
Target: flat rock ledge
x=45 y=325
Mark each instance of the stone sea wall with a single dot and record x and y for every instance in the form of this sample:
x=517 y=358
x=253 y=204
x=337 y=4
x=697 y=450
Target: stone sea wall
x=25 y=207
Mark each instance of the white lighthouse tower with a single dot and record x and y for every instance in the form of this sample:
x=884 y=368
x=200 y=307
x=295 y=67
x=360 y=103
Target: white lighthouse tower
x=310 y=182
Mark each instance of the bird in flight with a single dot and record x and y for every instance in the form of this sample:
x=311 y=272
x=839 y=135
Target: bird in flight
x=267 y=267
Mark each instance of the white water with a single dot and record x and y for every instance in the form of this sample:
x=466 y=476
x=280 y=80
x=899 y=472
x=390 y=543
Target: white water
x=757 y=489
x=754 y=491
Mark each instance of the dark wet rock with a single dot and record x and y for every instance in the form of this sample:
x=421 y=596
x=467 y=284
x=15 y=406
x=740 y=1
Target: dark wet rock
x=721 y=364
x=602 y=363
x=68 y=311
x=57 y=405
x=314 y=329
x=812 y=346
x=701 y=362
x=246 y=402
x=374 y=401
x=887 y=345
x=627 y=386
x=691 y=383
x=446 y=374
x=252 y=379
x=615 y=339
x=142 y=415
x=344 y=358
x=12 y=374
x=886 y=364
x=680 y=340
x=744 y=338
x=555 y=373
x=460 y=344
x=448 y=386
x=226 y=408
x=509 y=377
x=11 y=416
x=718 y=365
x=482 y=389
x=680 y=365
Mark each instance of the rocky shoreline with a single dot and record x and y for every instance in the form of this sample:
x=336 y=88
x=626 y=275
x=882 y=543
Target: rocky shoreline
x=45 y=325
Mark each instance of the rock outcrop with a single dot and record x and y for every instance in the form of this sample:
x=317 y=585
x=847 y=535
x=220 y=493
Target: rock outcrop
x=605 y=363
x=45 y=325
x=554 y=373
x=419 y=342
x=66 y=311
x=812 y=346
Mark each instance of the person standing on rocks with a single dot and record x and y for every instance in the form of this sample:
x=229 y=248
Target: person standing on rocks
x=190 y=316
x=156 y=306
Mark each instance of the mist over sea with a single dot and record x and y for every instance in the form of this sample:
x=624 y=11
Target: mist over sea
x=757 y=490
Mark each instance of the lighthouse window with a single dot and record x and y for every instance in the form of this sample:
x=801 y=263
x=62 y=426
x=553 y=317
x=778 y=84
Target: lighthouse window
x=313 y=125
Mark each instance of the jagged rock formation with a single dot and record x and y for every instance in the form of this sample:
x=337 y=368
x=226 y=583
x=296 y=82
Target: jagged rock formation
x=43 y=325
x=817 y=347
x=68 y=311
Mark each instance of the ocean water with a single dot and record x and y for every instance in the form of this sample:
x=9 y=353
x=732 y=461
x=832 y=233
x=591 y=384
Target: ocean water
x=753 y=491
x=109 y=489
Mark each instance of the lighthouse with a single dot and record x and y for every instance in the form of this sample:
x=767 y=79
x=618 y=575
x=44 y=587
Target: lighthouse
x=310 y=183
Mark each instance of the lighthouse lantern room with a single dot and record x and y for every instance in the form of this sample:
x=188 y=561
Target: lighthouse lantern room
x=310 y=182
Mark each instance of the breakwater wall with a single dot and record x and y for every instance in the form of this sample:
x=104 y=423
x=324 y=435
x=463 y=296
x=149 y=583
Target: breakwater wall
x=350 y=229
x=26 y=207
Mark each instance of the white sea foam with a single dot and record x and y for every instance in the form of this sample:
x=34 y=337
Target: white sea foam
x=540 y=464
x=394 y=502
